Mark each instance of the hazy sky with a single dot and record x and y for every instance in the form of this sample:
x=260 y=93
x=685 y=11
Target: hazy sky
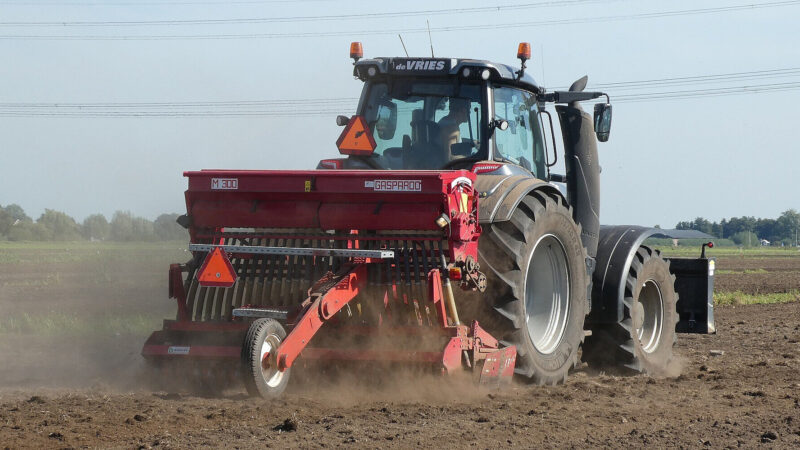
x=172 y=99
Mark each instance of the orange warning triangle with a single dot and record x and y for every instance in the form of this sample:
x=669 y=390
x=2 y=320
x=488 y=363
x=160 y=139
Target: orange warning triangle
x=216 y=270
x=356 y=139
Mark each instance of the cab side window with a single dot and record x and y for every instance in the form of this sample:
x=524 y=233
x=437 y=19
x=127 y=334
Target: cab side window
x=522 y=142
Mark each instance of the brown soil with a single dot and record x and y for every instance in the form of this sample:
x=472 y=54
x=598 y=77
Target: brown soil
x=747 y=396
x=781 y=274
x=86 y=389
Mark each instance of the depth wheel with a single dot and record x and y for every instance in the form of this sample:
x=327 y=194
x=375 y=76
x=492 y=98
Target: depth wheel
x=260 y=368
x=643 y=340
x=536 y=269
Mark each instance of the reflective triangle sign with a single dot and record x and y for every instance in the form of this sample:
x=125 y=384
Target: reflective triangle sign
x=356 y=139
x=216 y=270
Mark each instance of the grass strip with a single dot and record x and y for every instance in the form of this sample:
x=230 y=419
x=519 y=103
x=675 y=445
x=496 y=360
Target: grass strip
x=754 y=252
x=56 y=324
x=739 y=272
x=740 y=298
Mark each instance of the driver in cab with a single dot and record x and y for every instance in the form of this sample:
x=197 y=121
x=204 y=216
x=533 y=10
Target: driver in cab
x=449 y=125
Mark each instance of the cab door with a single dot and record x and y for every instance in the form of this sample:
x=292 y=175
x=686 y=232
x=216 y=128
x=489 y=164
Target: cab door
x=521 y=143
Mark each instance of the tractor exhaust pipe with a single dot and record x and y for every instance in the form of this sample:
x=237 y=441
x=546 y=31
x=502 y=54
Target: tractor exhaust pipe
x=583 y=171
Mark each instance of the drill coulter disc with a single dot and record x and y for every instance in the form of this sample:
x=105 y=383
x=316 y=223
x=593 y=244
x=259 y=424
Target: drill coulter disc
x=260 y=372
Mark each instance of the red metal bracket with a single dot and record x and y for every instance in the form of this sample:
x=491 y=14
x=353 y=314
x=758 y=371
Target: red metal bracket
x=326 y=298
x=436 y=296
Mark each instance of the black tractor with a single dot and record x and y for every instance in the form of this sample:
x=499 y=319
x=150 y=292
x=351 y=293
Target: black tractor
x=557 y=281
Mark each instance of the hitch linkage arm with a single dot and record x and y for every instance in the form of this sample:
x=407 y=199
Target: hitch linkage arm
x=326 y=298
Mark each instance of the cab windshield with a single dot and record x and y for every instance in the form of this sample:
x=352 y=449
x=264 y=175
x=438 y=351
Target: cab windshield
x=424 y=124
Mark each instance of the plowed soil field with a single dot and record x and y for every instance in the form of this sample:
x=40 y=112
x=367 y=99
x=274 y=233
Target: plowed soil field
x=71 y=377
x=758 y=275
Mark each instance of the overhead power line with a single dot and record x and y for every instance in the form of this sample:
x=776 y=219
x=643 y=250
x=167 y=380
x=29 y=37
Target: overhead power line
x=616 y=89
x=738 y=90
x=163 y=3
x=316 y=18
x=317 y=34
x=704 y=79
x=621 y=92
x=694 y=80
x=9 y=110
x=223 y=103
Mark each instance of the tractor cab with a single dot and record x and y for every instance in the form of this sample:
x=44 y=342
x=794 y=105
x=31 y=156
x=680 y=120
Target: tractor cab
x=448 y=113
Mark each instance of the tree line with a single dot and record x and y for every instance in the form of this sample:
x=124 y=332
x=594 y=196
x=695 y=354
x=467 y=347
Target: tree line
x=52 y=225
x=748 y=231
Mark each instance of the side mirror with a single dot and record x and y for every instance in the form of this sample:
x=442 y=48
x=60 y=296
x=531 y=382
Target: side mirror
x=342 y=120
x=602 y=121
x=386 y=122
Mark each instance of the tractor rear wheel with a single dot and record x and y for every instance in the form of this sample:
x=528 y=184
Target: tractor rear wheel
x=537 y=287
x=643 y=340
x=260 y=368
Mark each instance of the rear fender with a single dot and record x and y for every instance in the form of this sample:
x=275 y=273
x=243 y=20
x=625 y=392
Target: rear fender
x=615 y=251
x=694 y=280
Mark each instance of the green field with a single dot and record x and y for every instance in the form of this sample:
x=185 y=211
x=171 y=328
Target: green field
x=753 y=252
x=66 y=252
x=86 y=288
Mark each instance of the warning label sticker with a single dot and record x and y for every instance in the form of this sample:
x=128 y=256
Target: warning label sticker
x=224 y=183
x=394 y=185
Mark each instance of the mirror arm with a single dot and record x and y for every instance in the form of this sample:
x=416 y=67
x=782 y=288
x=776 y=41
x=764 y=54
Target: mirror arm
x=569 y=96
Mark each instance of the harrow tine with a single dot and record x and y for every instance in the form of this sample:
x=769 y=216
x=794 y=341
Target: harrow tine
x=258 y=275
x=273 y=272
x=418 y=291
x=289 y=279
x=191 y=291
x=309 y=278
x=249 y=278
x=280 y=278
x=200 y=304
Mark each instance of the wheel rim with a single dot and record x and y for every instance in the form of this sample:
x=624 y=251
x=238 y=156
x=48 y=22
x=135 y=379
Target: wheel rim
x=547 y=294
x=652 y=316
x=269 y=367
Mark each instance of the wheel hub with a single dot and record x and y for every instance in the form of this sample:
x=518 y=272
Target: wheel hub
x=269 y=364
x=547 y=294
x=650 y=311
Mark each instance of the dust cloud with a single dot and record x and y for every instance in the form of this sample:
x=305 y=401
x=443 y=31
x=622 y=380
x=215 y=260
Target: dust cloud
x=76 y=316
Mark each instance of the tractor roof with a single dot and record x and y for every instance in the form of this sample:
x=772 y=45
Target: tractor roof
x=421 y=67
